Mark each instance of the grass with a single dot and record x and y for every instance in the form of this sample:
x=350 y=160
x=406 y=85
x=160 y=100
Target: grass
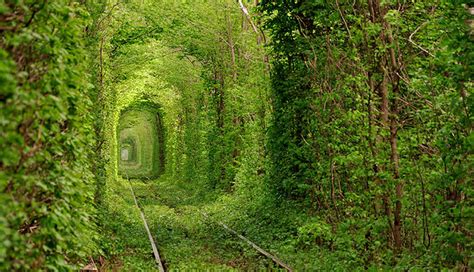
x=186 y=239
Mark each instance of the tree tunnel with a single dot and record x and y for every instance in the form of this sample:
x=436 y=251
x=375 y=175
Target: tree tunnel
x=128 y=150
x=141 y=143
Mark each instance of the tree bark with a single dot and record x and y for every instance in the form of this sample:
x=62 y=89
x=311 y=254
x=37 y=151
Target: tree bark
x=232 y=48
x=101 y=63
x=245 y=11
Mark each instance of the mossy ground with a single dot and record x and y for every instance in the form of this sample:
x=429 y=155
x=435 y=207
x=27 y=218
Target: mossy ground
x=186 y=239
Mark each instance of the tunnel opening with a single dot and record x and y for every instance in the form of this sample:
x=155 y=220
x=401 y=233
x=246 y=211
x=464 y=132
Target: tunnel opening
x=141 y=141
x=128 y=150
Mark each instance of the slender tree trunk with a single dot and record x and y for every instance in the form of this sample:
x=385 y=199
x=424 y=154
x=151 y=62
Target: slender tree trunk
x=389 y=111
x=231 y=44
x=101 y=63
x=249 y=18
x=219 y=91
x=394 y=124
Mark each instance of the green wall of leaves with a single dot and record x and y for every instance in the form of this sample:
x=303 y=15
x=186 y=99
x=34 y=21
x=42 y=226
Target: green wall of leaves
x=339 y=133
x=372 y=123
x=46 y=136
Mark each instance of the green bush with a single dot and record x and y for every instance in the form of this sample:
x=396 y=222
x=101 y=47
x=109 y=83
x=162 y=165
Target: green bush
x=46 y=137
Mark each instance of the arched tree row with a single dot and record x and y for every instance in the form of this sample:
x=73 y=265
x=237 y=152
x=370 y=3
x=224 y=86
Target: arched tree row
x=336 y=134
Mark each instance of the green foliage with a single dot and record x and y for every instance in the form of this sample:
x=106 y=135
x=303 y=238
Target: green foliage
x=141 y=124
x=318 y=233
x=46 y=135
x=376 y=149
x=372 y=104
x=128 y=34
x=351 y=148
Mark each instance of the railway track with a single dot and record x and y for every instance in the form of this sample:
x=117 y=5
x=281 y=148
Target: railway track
x=159 y=259
x=156 y=254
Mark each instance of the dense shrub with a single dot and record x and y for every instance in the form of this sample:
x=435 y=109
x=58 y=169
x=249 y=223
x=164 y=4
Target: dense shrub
x=46 y=136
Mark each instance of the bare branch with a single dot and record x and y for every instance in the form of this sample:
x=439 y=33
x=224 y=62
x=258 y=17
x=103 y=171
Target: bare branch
x=249 y=18
x=344 y=20
x=410 y=39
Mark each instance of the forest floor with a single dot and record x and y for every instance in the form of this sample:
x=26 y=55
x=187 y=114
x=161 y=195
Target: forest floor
x=186 y=239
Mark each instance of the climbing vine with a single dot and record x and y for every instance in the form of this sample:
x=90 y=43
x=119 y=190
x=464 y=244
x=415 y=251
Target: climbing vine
x=46 y=136
x=364 y=100
x=335 y=134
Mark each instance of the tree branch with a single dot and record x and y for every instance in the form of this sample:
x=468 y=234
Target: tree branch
x=249 y=18
x=413 y=34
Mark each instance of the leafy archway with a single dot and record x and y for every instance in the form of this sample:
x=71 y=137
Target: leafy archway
x=141 y=142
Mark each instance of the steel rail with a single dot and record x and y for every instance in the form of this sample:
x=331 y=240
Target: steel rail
x=248 y=241
x=275 y=259
x=156 y=254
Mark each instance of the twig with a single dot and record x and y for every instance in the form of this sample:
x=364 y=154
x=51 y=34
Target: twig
x=247 y=15
x=411 y=40
x=344 y=20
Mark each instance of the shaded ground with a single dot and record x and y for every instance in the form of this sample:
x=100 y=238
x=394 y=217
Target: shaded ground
x=185 y=238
